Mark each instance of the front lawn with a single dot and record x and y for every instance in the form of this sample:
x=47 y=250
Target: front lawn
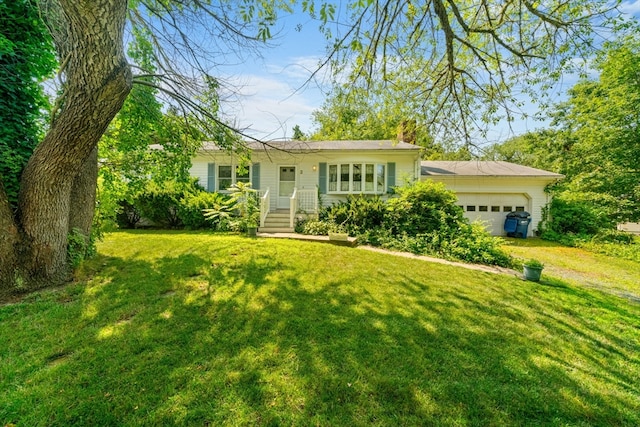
x=179 y=328
x=581 y=267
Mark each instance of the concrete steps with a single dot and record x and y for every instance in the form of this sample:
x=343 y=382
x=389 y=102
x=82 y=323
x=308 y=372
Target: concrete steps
x=276 y=222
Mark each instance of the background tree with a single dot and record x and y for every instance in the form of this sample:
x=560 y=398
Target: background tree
x=542 y=149
x=459 y=64
x=594 y=139
x=370 y=115
x=298 y=135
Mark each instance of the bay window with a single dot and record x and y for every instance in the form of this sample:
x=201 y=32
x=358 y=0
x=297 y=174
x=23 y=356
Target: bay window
x=357 y=178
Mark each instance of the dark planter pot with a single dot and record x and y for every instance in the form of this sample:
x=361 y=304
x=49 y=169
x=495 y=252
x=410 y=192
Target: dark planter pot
x=532 y=273
x=252 y=231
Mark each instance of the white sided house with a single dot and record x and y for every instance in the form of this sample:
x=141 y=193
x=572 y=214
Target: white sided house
x=489 y=190
x=291 y=175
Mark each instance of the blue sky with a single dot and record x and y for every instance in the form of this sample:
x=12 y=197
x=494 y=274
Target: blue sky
x=272 y=97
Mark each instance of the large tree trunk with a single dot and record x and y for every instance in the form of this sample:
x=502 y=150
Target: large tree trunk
x=83 y=196
x=89 y=40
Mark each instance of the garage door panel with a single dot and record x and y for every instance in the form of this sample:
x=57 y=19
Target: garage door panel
x=492 y=208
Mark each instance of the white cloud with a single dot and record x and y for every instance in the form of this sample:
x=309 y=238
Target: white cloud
x=269 y=107
x=630 y=7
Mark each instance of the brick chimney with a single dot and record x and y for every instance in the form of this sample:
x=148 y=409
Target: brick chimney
x=407 y=131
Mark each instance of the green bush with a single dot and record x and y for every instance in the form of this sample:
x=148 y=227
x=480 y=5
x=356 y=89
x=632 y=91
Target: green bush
x=630 y=251
x=474 y=244
x=422 y=208
x=239 y=212
x=422 y=218
x=160 y=203
x=357 y=214
x=317 y=227
x=613 y=236
x=191 y=207
x=127 y=215
x=576 y=214
x=79 y=247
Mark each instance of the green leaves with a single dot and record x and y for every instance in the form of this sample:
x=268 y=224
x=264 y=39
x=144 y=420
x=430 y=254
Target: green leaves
x=26 y=59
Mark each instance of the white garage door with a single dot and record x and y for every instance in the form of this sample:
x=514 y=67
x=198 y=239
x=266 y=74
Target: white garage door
x=492 y=208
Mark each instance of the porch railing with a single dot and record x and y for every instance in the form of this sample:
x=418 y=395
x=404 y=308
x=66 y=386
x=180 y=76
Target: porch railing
x=265 y=204
x=293 y=207
x=302 y=200
x=307 y=201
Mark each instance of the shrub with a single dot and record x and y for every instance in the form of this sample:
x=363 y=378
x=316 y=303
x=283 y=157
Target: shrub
x=424 y=207
x=192 y=206
x=474 y=244
x=317 y=227
x=357 y=214
x=613 y=236
x=241 y=210
x=79 y=247
x=423 y=218
x=577 y=214
x=160 y=203
x=127 y=215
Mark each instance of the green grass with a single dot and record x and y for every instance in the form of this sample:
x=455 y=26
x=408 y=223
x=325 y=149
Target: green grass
x=581 y=267
x=198 y=329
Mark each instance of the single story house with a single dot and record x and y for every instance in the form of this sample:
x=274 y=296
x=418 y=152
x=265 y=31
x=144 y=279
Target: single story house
x=291 y=176
x=489 y=190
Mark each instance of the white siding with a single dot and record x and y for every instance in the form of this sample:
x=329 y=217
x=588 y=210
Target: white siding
x=498 y=191
x=199 y=170
x=306 y=176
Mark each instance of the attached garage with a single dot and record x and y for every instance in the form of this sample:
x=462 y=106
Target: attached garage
x=489 y=190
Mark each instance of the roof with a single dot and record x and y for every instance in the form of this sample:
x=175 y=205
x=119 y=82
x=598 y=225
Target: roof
x=475 y=168
x=321 y=145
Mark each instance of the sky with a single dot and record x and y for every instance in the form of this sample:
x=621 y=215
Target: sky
x=274 y=91
x=274 y=95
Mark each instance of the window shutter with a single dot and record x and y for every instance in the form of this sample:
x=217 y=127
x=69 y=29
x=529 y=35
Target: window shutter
x=322 y=178
x=211 y=177
x=255 y=176
x=391 y=176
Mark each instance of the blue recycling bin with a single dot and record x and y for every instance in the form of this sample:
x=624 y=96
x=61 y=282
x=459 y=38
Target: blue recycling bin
x=517 y=224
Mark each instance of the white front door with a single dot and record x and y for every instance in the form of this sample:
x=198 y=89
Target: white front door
x=286 y=184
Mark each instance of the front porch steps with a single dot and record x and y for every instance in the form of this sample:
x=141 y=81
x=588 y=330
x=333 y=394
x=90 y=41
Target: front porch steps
x=276 y=222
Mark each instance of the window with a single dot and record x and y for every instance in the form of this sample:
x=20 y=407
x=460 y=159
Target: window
x=225 y=177
x=483 y=208
x=495 y=208
x=506 y=209
x=368 y=177
x=344 y=177
x=519 y=208
x=381 y=178
x=357 y=178
x=229 y=175
x=471 y=208
x=242 y=174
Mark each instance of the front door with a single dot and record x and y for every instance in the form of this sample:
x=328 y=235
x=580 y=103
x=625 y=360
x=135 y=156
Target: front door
x=286 y=184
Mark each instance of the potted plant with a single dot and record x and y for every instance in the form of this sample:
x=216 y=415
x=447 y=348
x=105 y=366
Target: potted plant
x=532 y=270
x=248 y=207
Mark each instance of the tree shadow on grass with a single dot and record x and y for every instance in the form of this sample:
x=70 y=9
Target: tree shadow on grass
x=252 y=339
